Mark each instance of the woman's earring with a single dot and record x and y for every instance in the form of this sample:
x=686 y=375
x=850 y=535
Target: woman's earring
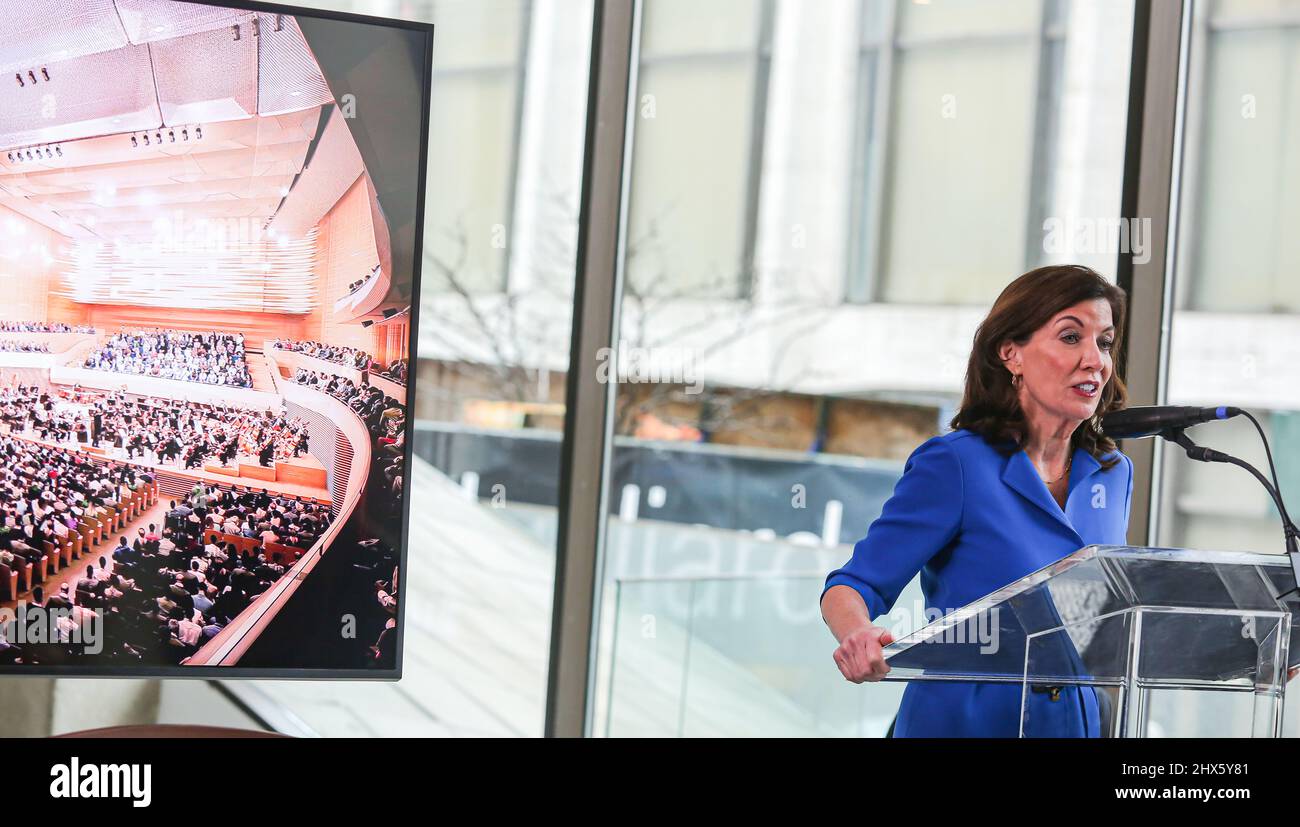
x=1015 y=380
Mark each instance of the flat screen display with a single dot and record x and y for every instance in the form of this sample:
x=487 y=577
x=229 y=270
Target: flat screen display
x=209 y=281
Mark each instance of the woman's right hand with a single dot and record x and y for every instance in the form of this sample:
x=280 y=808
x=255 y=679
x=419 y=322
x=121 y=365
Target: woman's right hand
x=859 y=654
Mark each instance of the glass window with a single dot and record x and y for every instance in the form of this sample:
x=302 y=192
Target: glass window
x=979 y=144
x=700 y=91
x=1238 y=216
x=1235 y=334
x=758 y=437
x=967 y=18
x=950 y=99
x=477 y=79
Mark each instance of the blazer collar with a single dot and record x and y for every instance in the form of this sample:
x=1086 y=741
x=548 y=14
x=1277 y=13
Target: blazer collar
x=1022 y=477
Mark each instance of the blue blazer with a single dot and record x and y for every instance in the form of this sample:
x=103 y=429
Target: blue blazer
x=971 y=520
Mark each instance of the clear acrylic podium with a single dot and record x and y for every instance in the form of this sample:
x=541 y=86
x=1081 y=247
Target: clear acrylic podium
x=1126 y=620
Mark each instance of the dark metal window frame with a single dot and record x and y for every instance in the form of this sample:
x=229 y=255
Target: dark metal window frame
x=1152 y=167
x=588 y=423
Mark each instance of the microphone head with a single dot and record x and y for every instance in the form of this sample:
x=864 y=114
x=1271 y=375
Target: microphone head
x=1153 y=420
x=1129 y=423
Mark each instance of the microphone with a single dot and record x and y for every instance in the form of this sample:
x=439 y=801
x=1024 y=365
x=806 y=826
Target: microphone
x=1151 y=420
x=1169 y=422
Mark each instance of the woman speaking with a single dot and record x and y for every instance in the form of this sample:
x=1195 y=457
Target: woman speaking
x=1024 y=478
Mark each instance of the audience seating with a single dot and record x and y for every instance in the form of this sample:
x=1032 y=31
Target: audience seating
x=53 y=556
x=25 y=577
x=8 y=583
x=281 y=554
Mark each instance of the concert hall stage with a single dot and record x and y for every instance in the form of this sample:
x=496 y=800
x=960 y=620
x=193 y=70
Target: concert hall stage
x=303 y=477
x=305 y=470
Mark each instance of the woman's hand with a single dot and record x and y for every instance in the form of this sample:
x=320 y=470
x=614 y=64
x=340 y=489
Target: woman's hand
x=859 y=654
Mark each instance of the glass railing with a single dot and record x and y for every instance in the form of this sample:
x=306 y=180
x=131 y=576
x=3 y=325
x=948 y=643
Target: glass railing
x=729 y=656
x=740 y=656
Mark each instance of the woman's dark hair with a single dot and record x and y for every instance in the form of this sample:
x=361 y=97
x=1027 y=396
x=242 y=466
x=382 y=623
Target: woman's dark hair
x=990 y=405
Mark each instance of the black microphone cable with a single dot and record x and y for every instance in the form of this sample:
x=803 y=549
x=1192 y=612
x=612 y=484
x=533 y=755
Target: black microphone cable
x=1272 y=470
x=1290 y=533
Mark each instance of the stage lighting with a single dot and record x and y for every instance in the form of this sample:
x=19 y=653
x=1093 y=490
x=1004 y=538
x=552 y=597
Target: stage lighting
x=59 y=151
x=158 y=137
x=185 y=134
x=19 y=76
x=172 y=134
x=45 y=73
x=11 y=157
x=390 y=312
x=367 y=322
x=134 y=142
x=146 y=139
x=198 y=132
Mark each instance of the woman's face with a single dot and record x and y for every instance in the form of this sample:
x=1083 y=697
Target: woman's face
x=1066 y=363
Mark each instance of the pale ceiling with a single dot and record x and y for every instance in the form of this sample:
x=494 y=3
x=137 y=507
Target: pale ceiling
x=119 y=69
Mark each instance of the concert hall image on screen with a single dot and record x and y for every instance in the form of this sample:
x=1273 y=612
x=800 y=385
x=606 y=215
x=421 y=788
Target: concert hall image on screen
x=208 y=263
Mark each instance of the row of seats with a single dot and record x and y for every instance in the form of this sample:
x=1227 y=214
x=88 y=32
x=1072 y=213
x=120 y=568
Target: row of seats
x=277 y=553
x=90 y=532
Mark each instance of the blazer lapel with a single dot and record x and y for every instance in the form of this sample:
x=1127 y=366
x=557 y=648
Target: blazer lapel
x=1084 y=466
x=1023 y=478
